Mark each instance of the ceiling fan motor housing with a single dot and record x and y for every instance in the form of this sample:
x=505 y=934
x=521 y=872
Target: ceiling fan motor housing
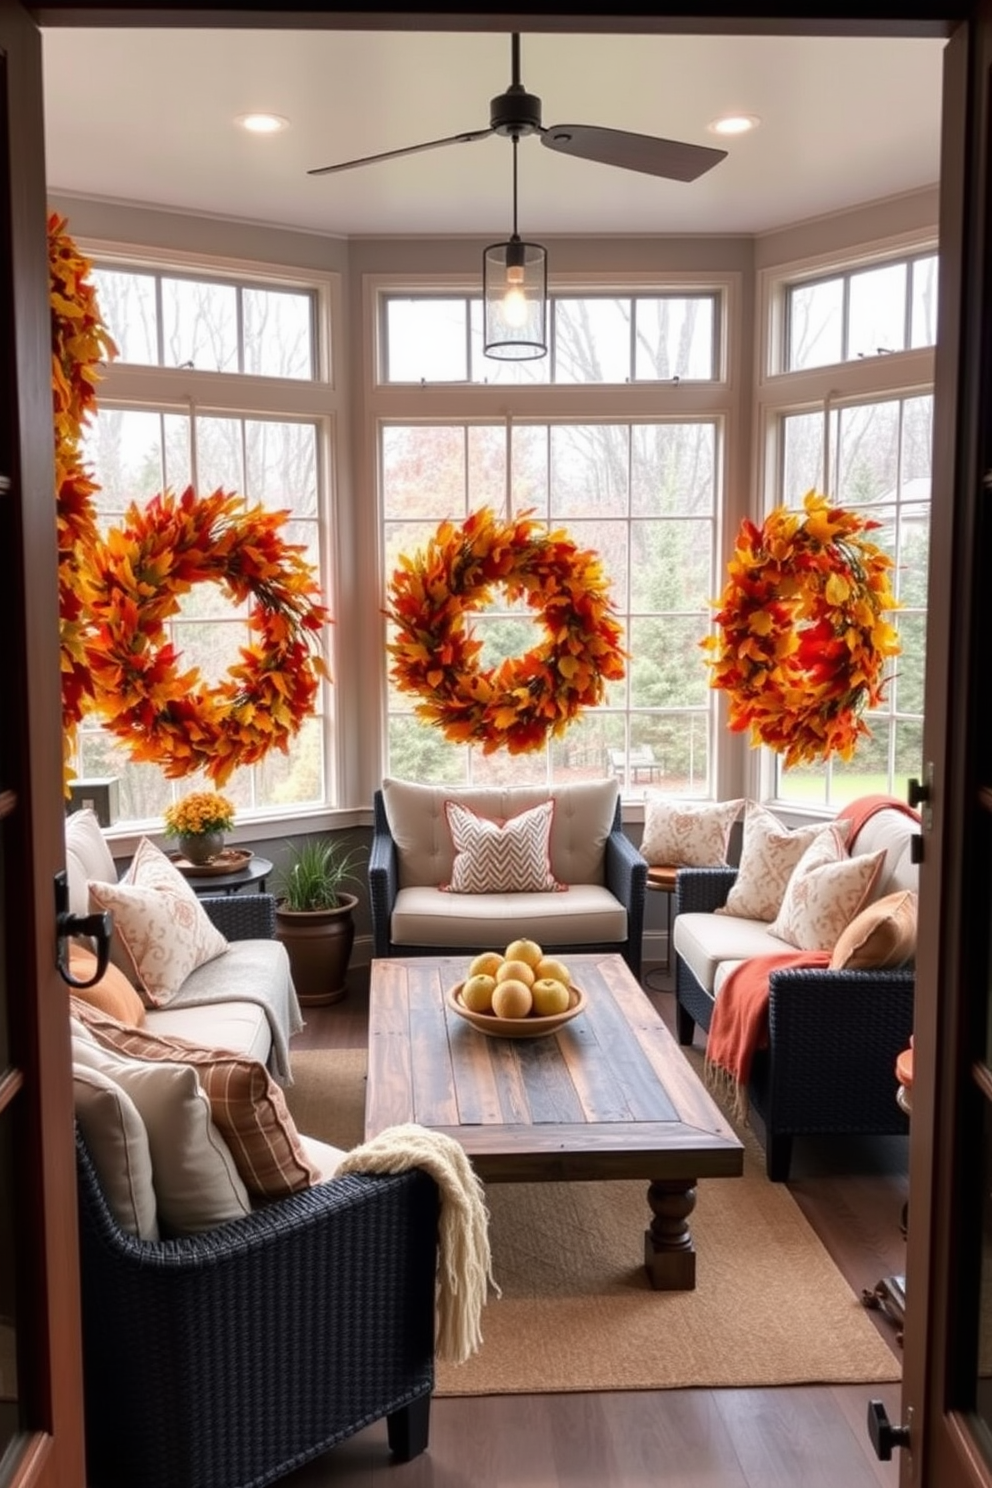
x=515 y=113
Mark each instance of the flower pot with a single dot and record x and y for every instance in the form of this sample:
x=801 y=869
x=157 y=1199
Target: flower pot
x=318 y=943
x=200 y=848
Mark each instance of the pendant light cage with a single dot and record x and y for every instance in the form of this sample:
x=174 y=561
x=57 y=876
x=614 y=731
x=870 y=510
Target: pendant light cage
x=515 y=294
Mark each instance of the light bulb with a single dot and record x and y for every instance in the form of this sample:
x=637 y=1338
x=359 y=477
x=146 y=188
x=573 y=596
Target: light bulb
x=515 y=311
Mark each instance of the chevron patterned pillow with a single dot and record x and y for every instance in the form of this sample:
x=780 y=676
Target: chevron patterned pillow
x=501 y=857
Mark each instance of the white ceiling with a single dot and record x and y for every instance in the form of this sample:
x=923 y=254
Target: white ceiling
x=147 y=116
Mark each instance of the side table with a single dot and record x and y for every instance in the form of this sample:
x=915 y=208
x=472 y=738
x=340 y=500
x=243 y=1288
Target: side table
x=661 y=878
x=254 y=874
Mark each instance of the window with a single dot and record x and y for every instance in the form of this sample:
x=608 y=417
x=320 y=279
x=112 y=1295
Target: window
x=166 y=421
x=863 y=433
x=862 y=312
x=594 y=339
x=644 y=492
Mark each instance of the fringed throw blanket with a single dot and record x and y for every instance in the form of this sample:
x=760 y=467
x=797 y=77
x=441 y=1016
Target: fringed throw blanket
x=464 y=1261
x=739 y=1027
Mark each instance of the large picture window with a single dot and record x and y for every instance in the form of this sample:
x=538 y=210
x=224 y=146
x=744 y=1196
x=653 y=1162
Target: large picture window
x=165 y=421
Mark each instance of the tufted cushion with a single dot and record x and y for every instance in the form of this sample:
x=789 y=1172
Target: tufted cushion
x=882 y=934
x=583 y=819
x=164 y=929
x=824 y=893
x=769 y=853
x=687 y=834
x=505 y=857
x=245 y=1102
x=196 y=1182
x=112 y=994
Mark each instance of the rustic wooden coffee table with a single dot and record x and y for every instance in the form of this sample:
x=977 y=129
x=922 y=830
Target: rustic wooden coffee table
x=610 y=1095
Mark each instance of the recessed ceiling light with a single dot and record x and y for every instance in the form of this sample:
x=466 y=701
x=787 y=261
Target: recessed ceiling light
x=734 y=124
x=262 y=123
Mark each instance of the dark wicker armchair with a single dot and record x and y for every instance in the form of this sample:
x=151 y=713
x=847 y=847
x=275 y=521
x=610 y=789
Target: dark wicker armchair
x=226 y=1359
x=625 y=875
x=834 y=1036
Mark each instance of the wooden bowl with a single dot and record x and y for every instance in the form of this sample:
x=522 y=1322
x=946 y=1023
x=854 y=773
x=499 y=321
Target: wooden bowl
x=532 y=1027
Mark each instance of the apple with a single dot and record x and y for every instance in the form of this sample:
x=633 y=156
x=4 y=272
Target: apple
x=477 y=993
x=524 y=950
x=515 y=971
x=486 y=963
x=548 y=966
x=512 y=999
x=550 y=996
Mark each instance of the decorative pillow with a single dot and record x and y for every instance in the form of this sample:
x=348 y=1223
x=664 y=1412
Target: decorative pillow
x=112 y=994
x=196 y=1182
x=87 y=856
x=117 y=1141
x=161 y=924
x=247 y=1105
x=883 y=934
x=501 y=857
x=769 y=853
x=825 y=892
x=687 y=834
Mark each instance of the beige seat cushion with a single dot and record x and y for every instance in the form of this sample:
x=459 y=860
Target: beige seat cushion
x=241 y=1027
x=584 y=914
x=117 y=1143
x=583 y=818
x=704 y=941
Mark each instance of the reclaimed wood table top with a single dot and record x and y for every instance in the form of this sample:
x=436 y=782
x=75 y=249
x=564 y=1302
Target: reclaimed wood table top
x=609 y=1095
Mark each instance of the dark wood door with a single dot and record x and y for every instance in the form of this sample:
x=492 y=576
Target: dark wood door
x=41 y=1438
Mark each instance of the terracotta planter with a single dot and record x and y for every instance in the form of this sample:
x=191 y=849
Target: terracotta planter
x=318 y=943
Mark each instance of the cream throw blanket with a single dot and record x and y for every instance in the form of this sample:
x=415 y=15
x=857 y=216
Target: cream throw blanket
x=464 y=1262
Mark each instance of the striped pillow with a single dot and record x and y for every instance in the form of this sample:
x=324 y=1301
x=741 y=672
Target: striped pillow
x=246 y=1104
x=501 y=857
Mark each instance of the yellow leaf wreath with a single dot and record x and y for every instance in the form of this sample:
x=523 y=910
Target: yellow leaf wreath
x=802 y=637
x=523 y=701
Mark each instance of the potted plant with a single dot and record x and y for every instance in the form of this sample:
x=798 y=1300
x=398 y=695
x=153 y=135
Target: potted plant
x=315 y=915
x=198 y=822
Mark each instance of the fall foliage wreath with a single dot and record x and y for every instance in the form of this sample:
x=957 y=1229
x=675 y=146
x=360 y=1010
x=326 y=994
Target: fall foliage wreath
x=802 y=638
x=521 y=702
x=133 y=584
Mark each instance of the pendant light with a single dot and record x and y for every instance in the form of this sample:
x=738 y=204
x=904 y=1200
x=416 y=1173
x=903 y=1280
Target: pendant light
x=515 y=294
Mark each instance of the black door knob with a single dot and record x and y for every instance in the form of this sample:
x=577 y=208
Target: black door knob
x=884 y=1436
x=918 y=793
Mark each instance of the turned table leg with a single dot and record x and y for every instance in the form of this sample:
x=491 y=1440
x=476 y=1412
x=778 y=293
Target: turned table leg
x=669 y=1255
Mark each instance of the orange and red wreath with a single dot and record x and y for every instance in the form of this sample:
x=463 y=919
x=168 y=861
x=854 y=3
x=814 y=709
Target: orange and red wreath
x=134 y=581
x=523 y=701
x=802 y=637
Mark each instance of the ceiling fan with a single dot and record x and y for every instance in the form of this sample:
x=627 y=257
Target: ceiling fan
x=517 y=113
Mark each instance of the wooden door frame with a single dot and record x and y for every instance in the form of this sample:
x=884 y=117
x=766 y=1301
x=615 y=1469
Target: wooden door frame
x=932 y=1141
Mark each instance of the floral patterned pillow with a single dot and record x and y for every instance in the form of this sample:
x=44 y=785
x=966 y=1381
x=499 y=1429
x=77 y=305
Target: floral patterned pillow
x=825 y=892
x=687 y=834
x=164 y=929
x=769 y=853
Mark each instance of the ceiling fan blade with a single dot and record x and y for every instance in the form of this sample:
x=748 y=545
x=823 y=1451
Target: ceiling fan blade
x=452 y=139
x=638 y=152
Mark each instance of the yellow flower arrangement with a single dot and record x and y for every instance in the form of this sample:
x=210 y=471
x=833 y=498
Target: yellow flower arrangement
x=197 y=814
x=802 y=637
x=518 y=704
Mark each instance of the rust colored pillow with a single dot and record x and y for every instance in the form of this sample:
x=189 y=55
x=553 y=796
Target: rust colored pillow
x=246 y=1104
x=112 y=994
x=883 y=934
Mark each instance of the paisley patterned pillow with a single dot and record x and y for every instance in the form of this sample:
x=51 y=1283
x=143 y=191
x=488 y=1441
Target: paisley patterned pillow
x=825 y=892
x=769 y=853
x=687 y=834
x=164 y=929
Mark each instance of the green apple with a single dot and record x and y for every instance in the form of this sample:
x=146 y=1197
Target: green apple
x=550 y=996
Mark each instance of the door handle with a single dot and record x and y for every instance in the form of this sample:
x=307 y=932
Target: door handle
x=98 y=927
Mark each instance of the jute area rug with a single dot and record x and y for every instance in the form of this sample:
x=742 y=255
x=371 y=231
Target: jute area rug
x=576 y=1311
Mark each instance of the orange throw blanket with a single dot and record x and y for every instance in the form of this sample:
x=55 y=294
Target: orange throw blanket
x=739 y=1026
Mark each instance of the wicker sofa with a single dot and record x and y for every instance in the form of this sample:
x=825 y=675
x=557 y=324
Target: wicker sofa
x=602 y=907
x=833 y=1035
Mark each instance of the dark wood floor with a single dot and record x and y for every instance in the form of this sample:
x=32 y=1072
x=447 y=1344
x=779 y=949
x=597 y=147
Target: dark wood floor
x=791 y=1437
